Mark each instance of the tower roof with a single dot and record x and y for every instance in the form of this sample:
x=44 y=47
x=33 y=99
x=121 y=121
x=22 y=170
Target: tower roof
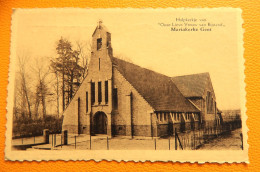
x=100 y=26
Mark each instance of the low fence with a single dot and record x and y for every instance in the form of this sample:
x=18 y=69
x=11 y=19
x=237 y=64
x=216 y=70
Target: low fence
x=191 y=140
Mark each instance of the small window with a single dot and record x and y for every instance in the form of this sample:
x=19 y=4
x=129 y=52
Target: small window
x=99 y=43
x=99 y=92
x=92 y=93
x=175 y=116
x=178 y=115
x=115 y=98
x=106 y=91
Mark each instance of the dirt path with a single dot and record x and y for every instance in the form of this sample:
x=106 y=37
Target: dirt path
x=228 y=142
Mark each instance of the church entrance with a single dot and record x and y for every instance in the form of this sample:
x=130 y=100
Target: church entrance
x=100 y=123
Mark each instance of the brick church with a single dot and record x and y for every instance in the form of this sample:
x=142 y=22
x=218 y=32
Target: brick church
x=121 y=98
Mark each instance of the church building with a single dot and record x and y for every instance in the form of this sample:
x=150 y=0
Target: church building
x=118 y=98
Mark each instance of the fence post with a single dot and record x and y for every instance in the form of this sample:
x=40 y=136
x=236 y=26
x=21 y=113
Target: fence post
x=75 y=143
x=175 y=134
x=242 y=146
x=54 y=140
x=34 y=139
x=46 y=136
x=194 y=140
x=107 y=144
x=169 y=143
x=65 y=137
x=22 y=140
x=90 y=141
x=155 y=144
x=61 y=140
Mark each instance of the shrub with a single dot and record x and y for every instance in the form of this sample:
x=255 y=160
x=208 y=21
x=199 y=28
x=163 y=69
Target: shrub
x=28 y=128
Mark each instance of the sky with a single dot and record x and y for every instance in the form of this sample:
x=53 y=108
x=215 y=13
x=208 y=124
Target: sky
x=142 y=35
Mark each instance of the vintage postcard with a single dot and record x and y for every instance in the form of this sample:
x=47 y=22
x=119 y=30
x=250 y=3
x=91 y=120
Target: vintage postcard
x=127 y=84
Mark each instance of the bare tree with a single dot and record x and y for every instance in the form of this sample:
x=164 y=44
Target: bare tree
x=24 y=86
x=42 y=71
x=84 y=50
x=57 y=93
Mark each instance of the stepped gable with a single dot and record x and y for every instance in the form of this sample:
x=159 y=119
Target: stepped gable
x=192 y=85
x=157 y=89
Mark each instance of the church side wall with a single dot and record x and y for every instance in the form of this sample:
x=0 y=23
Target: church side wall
x=140 y=123
x=70 y=121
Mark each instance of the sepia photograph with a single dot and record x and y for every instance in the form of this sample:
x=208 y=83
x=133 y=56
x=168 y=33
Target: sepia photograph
x=127 y=84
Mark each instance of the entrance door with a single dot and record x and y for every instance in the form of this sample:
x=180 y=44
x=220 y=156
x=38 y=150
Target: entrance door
x=100 y=123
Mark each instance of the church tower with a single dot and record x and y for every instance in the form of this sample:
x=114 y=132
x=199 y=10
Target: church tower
x=100 y=81
x=89 y=112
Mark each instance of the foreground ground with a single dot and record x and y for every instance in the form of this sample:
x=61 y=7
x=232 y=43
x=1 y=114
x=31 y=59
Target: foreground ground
x=231 y=141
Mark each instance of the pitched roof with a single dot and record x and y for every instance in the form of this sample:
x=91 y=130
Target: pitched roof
x=101 y=27
x=157 y=89
x=192 y=85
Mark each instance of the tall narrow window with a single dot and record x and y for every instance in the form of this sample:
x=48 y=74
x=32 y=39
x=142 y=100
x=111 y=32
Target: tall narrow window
x=99 y=64
x=99 y=43
x=106 y=91
x=115 y=98
x=92 y=93
x=99 y=93
x=208 y=98
x=86 y=101
x=212 y=105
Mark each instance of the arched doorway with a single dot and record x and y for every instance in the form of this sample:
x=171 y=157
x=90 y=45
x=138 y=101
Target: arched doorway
x=100 y=123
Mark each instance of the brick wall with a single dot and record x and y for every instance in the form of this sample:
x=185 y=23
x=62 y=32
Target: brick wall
x=163 y=130
x=141 y=118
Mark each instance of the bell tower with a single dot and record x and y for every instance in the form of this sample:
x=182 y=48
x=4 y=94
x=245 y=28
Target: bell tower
x=101 y=53
x=101 y=40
